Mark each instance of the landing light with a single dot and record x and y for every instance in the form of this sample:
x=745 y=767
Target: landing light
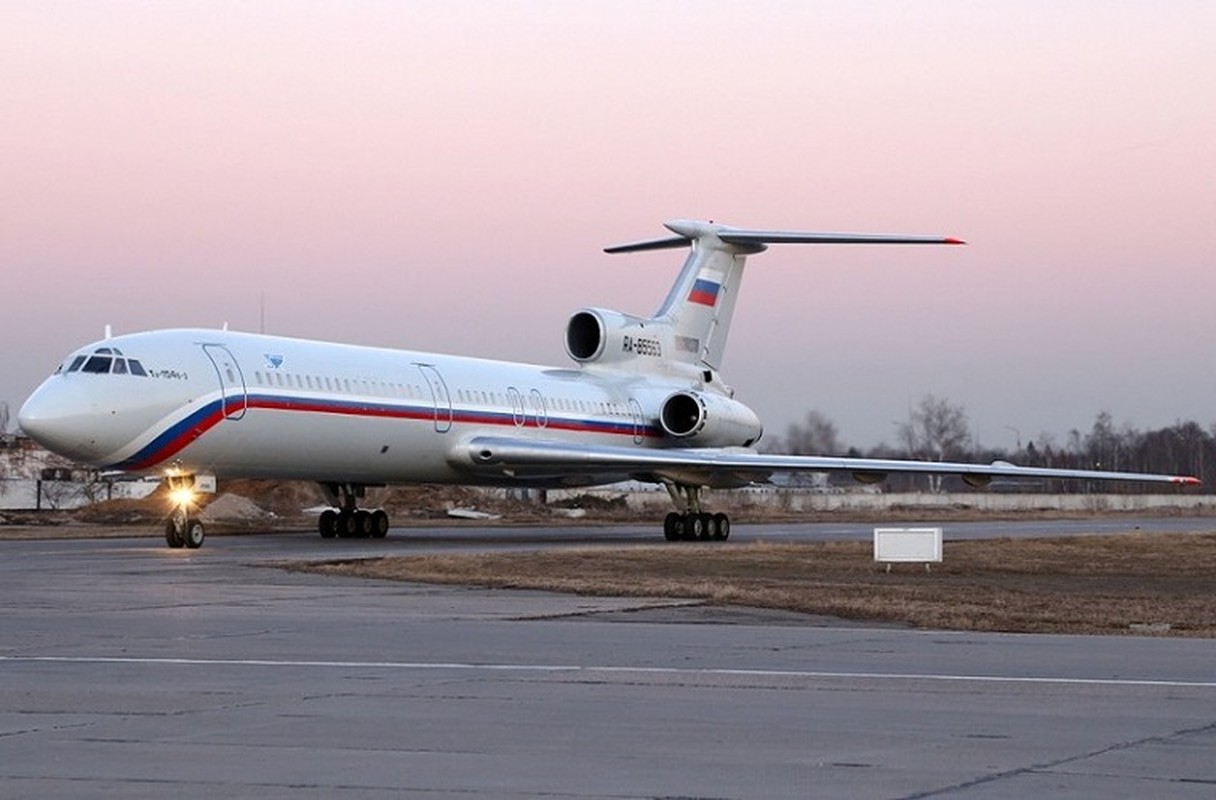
x=182 y=497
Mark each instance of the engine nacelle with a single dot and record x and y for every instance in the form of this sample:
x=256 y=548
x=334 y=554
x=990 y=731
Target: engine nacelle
x=602 y=336
x=709 y=420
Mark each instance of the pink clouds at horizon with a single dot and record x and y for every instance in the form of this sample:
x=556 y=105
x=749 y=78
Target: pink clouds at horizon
x=443 y=176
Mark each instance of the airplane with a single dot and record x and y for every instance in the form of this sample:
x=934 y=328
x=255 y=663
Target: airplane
x=644 y=400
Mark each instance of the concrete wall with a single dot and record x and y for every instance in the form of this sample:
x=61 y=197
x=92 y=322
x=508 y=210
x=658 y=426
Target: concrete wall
x=21 y=494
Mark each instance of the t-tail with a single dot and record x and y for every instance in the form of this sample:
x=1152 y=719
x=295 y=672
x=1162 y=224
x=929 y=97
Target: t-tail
x=691 y=326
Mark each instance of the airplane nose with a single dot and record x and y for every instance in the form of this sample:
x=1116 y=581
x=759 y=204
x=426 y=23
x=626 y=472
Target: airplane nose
x=62 y=418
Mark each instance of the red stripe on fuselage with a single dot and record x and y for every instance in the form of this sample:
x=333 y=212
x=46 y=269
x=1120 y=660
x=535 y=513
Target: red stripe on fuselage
x=193 y=430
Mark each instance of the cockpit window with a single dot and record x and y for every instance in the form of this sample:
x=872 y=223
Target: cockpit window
x=103 y=361
x=98 y=364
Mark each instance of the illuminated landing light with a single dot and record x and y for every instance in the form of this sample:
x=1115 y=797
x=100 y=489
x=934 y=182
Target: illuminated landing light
x=182 y=497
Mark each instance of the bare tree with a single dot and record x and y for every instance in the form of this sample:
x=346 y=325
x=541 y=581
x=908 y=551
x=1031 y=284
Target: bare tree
x=936 y=430
x=816 y=436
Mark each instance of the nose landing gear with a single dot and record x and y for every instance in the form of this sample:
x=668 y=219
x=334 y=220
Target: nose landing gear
x=182 y=528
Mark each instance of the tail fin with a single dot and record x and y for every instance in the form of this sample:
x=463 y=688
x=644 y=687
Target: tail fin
x=701 y=302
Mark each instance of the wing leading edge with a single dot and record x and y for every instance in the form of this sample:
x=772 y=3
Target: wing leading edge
x=724 y=467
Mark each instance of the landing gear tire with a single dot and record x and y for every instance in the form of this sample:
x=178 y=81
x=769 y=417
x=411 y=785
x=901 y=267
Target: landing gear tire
x=694 y=526
x=328 y=523
x=195 y=534
x=174 y=537
x=721 y=527
x=344 y=525
x=673 y=527
x=379 y=524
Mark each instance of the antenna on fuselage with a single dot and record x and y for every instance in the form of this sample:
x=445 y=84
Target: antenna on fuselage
x=109 y=333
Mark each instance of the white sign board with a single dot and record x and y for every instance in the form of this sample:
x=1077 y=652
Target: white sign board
x=920 y=545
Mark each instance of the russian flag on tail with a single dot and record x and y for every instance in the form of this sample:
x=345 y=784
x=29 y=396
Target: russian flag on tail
x=704 y=292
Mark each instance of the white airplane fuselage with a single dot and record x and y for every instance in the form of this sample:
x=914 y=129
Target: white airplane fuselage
x=255 y=406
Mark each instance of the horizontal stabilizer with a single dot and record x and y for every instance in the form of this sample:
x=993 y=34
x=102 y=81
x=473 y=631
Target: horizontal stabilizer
x=793 y=237
x=688 y=230
x=651 y=244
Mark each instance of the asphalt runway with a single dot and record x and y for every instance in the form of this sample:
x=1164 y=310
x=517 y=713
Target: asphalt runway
x=132 y=670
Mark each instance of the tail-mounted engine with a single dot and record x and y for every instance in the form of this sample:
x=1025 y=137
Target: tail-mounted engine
x=603 y=336
x=709 y=420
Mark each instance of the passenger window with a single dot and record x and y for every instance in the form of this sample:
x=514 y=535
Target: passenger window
x=97 y=364
x=136 y=368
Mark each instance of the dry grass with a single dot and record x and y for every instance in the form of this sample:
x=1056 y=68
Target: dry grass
x=1082 y=584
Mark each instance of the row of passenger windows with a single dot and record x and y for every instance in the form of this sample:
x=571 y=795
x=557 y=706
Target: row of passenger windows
x=345 y=385
x=105 y=360
x=547 y=403
x=362 y=386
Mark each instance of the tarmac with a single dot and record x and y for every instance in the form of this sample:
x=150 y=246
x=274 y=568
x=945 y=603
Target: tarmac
x=133 y=670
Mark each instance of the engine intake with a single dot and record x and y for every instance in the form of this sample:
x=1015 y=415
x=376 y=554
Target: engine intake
x=585 y=335
x=709 y=420
x=602 y=336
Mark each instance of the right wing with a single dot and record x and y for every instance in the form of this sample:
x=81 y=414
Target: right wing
x=540 y=459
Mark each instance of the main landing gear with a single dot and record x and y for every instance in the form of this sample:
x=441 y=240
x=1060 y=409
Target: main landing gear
x=346 y=519
x=689 y=522
x=182 y=528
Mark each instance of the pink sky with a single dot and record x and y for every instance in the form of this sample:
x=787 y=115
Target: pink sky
x=442 y=176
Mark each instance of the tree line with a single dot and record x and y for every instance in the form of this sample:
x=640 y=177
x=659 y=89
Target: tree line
x=939 y=430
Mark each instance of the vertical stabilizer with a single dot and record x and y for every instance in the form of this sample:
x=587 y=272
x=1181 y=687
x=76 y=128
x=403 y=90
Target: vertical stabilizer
x=701 y=302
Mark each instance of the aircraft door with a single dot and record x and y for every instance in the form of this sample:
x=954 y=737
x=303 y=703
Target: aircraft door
x=235 y=394
x=439 y=392
x=639 y=424
x=518 y=414
x=539 y=408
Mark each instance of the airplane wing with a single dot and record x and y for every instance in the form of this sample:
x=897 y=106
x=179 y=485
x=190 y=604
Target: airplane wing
x=733 y=467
